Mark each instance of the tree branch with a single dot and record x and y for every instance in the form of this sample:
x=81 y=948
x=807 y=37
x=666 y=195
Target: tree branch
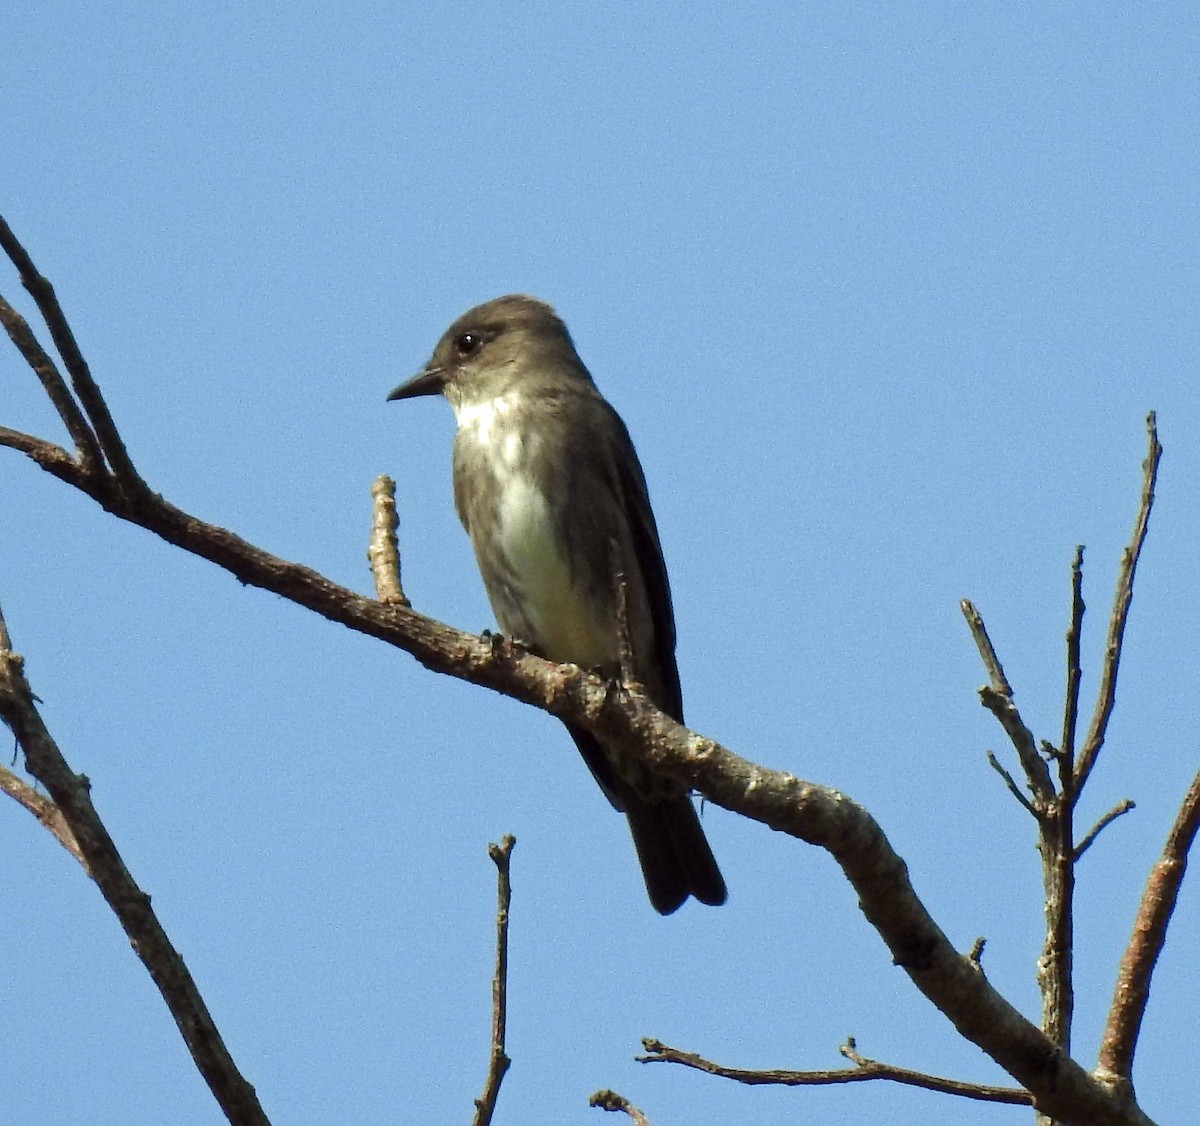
x=40 y=806
x=71 y=794
x=383 y=552
x=1011 y=783
x=865 y=1070
x=987 y=651
x=53 y=384
x=86 y=390
x=610 y=1100
x=498 y=1061
x=1149 y=934
x=1106 y=697
x=997 y=697
x=1118 y=810
x=1066 y=760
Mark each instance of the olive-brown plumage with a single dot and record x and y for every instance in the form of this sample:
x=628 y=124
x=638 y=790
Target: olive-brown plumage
x=550 y=490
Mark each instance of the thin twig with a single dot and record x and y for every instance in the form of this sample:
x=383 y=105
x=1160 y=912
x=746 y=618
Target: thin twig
x=987 y=651
x=86 y=391
x=1106 y=696
x=1117 y=811
x=1066 y=763
x=997 y=697
x=610 y=1100
x=383 y=553
x=1037 y=773
x=1011 y=783
x=40 y=806
x=59 y=463
x=53 y=384
x=70 y=793
x=41 y=451
x=1149 y=934
x=498 y=1061
x=865 y=1070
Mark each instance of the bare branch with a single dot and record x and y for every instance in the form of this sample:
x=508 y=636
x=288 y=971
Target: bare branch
x=1066 y=766
x=1106 y=697
x=610 y=1100
x=1011 y=783
x=384 y=552
x=865 y=1070
x=987 y=651
x=1117 y=811
x=58 y=463
x=37 y=448
x=81 y=379
x=1037 y=773
x=53 y=384
x=997 y=697
x=1149 y=934
x=70 y=793
x=39 y=805
x=498 y=1061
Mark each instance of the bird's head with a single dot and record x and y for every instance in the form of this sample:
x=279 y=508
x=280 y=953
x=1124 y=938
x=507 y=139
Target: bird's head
x=503 y=344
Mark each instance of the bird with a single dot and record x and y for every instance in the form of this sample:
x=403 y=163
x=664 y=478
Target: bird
x=551 y=492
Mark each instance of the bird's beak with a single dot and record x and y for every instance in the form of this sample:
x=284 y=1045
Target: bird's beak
x=431 y=381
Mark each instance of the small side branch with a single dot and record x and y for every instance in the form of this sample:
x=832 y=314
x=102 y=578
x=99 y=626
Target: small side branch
x=864 y=1071
x=53 y=384
x=41 y=807
x=498 y=1062
x=1010 y=782
x=1149 y=934
x=1117 y=811
x=86 y=390
x=1106 y=697
x=610 y=1100
x=997 y=697
x=1066 y=760
x=383 y=553
x=987 y=651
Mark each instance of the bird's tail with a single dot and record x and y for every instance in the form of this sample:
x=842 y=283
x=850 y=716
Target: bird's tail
x=674 y=853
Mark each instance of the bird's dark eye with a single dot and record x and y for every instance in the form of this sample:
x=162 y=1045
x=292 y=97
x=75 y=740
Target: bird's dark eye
x=467 y=343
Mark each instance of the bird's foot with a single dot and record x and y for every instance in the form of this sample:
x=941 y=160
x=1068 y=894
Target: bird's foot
x=502 y=646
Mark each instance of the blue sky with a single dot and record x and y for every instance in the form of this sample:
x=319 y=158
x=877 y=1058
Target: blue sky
x=883 y=292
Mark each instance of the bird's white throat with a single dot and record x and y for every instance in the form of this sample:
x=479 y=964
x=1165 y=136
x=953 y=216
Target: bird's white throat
x=481 y=418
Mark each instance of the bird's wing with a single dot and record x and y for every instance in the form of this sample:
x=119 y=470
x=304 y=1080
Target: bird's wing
x=639 y=516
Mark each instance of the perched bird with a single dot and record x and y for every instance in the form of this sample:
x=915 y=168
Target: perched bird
x=550 y=490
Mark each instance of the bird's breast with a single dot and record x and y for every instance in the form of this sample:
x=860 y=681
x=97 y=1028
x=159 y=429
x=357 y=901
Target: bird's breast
x=515 y=503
